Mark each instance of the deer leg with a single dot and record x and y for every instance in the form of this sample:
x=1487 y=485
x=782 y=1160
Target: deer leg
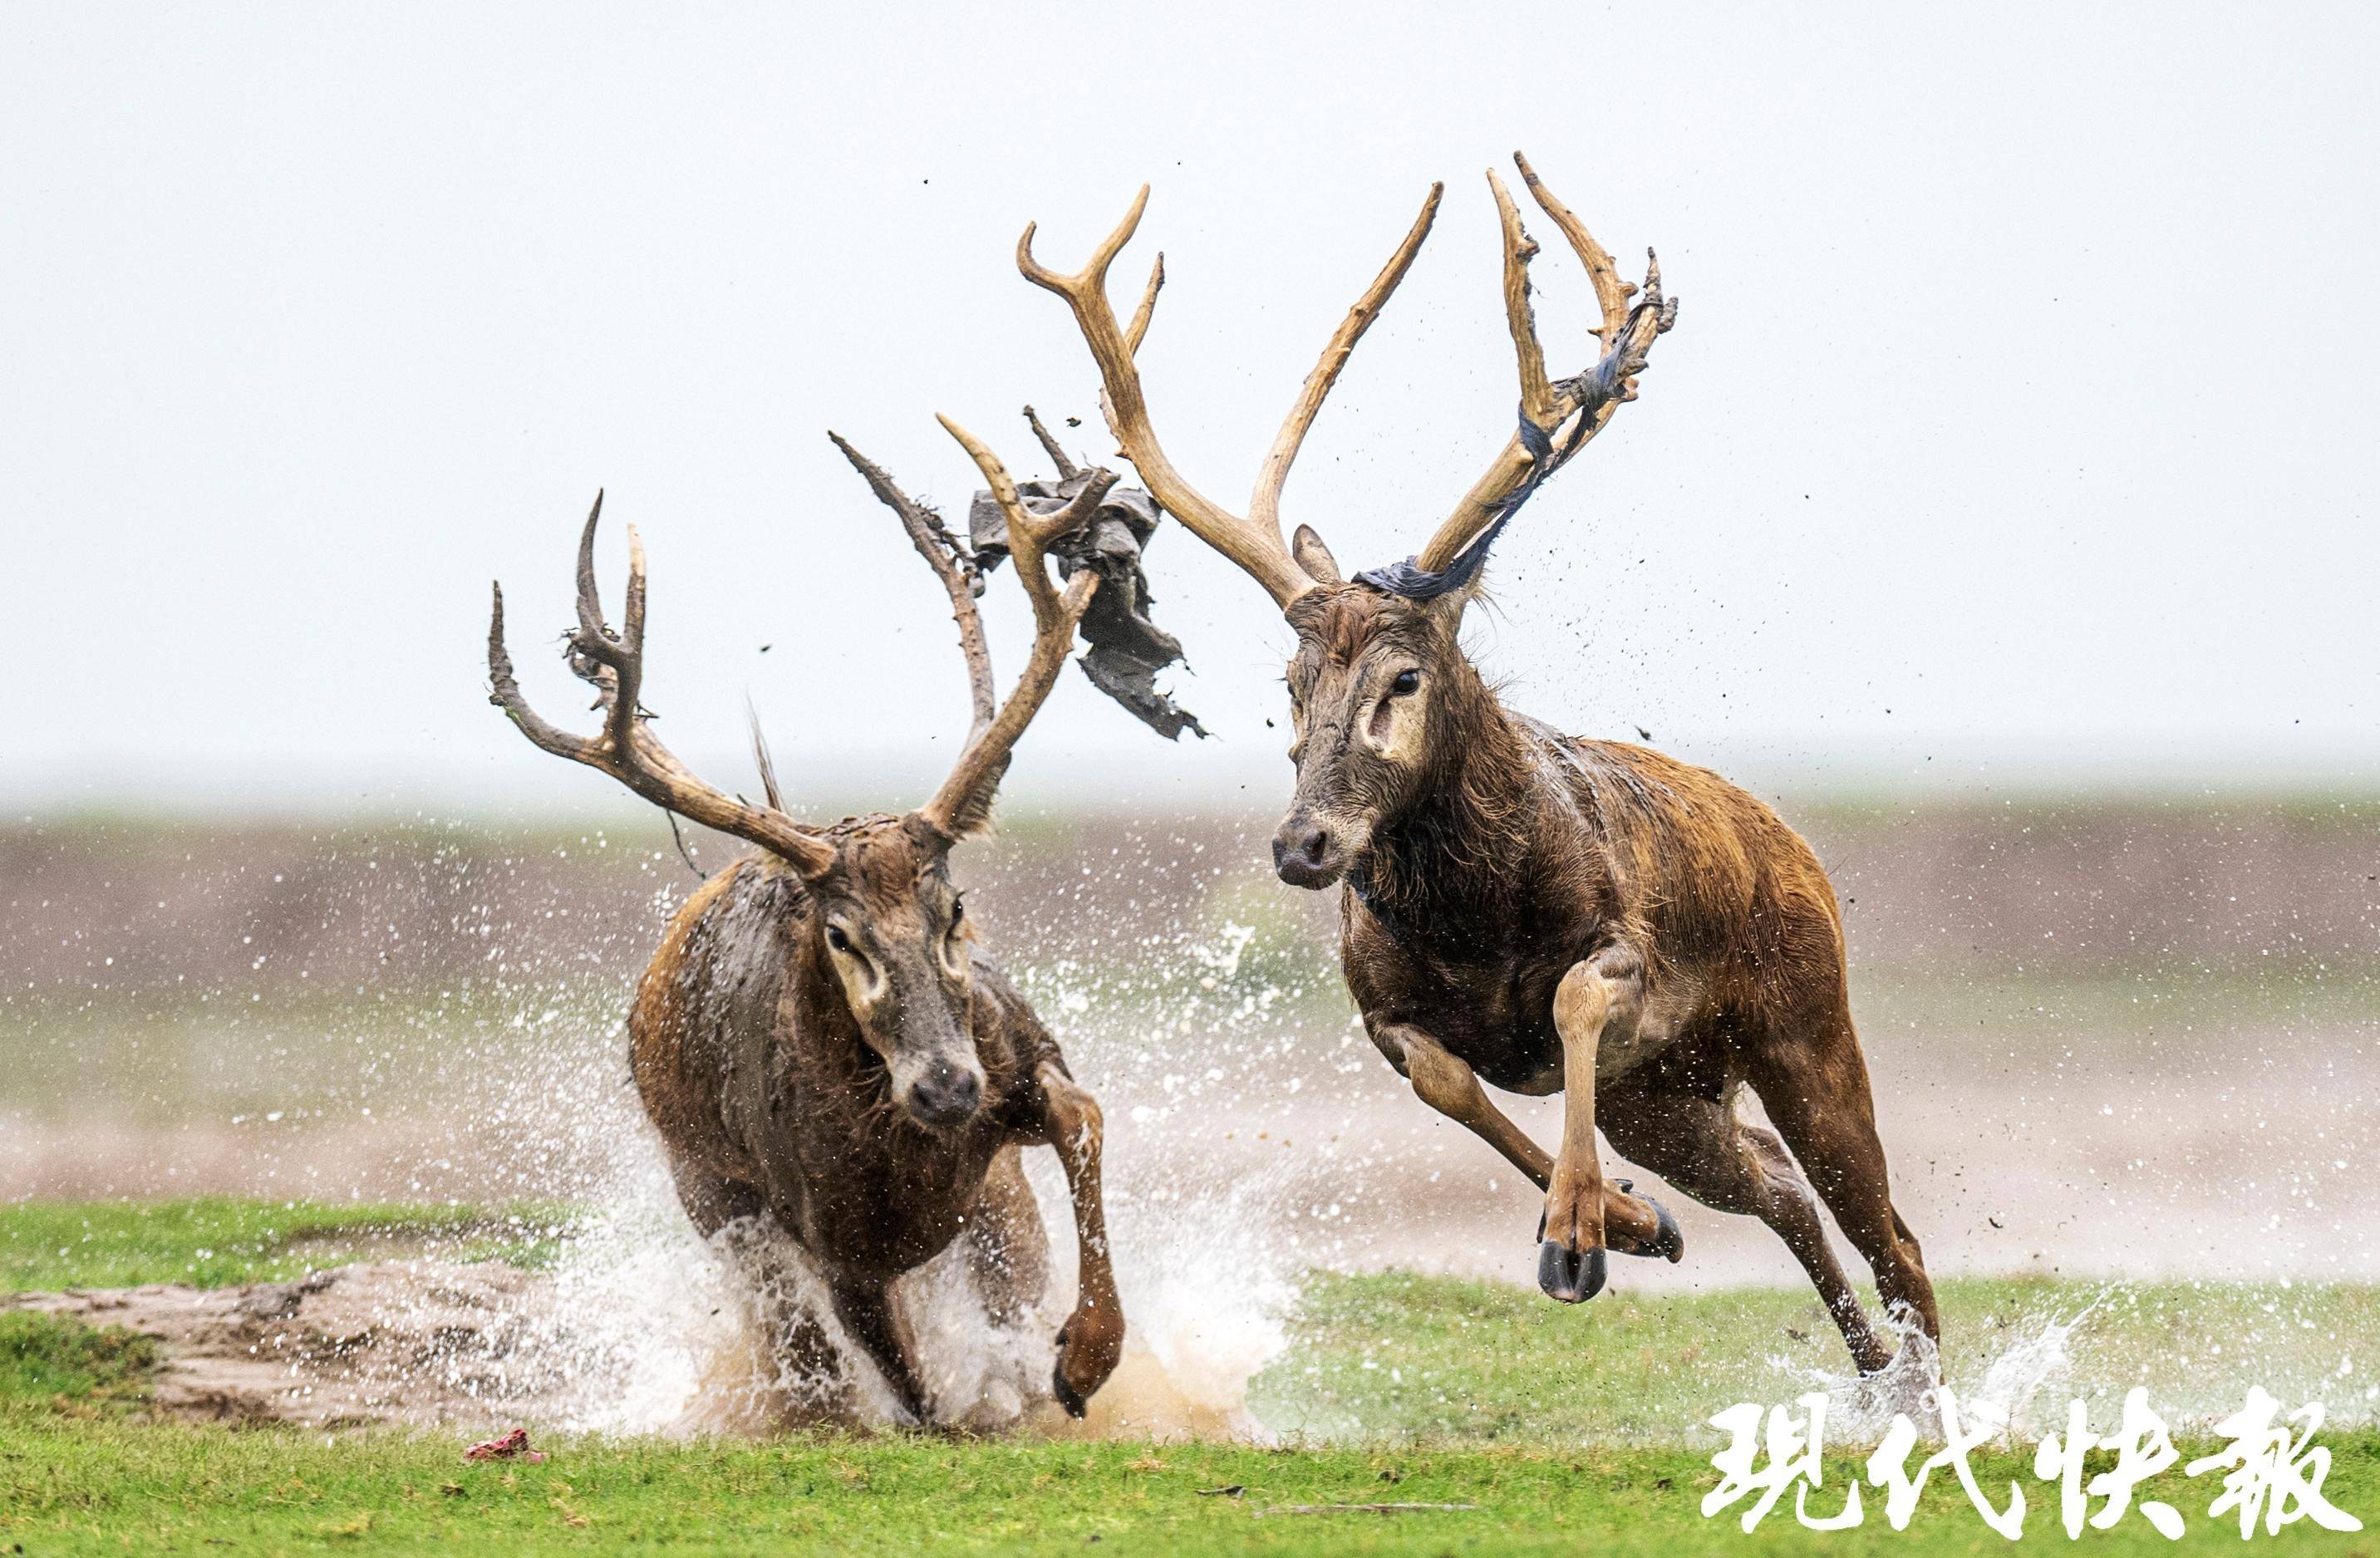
x=1446 y=1082
x=813 y=1376
x=1449 y=1085
x=1091 y=1341
x=1580 y=1211
x=1008 y=1252
x=1816 y=1091
x=865 y=1309
x=1701 y=1145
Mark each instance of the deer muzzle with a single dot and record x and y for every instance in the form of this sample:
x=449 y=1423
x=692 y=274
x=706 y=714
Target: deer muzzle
x=1308 y=851
x=936 y=1078
x=945 y=1095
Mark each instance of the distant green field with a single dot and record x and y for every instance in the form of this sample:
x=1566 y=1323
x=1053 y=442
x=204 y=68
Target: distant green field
x=1561 y=1431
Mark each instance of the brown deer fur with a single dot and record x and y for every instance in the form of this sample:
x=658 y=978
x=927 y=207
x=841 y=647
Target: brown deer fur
x=773 y=1100
x=1548 y=913
x=820 y=1043
x=1503 y=860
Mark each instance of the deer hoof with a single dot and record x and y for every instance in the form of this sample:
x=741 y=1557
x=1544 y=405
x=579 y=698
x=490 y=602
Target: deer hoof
x=1668 y=1244
x=1569 y=1276
x=1067 y=1396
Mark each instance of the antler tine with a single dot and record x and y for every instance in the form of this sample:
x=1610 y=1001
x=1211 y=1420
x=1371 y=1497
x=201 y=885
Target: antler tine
x=964 y=800
x=1067 y=468
x=1256 y=548
x=952 y=563
x=504 y=693
x=1610 y=292
x=1628 y=331
x=1137 y=330
x=590 y=603
x=627 y=749
x=1520 y=316
x=1265 y=507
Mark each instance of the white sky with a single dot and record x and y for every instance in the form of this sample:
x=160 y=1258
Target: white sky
x=2019 y=417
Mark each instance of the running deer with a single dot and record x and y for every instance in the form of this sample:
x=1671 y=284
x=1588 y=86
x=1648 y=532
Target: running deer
x=1543 y=912
x=821 y=1040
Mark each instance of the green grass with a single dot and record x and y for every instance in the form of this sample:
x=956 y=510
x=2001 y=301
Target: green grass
x=52 y=1365
x=1436 y=1360
x=1568 y=1428
x=214 y=1241
x=70 y=1486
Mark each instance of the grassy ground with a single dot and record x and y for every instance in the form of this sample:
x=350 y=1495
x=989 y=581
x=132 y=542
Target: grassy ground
x=1457 y=1393
x=212 y=1241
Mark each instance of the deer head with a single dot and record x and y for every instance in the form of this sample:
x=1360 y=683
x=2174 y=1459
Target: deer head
x=884 y=927
x=1379 y=689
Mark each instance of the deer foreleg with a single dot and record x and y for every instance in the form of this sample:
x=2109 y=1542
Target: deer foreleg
x=1580 y=1211
x=1447 y=1084
x=1091 y=1341
x=866 y=1310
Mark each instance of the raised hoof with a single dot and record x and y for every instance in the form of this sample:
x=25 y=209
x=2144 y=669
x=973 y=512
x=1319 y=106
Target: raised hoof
x=1569 y=1276
x=1668 y=1244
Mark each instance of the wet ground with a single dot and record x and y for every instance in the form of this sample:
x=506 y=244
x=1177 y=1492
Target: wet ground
x=2091 y=1057
x=2222 y=1128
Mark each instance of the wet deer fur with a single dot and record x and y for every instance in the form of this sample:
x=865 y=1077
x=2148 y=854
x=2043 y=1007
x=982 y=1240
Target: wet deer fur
x=1540 y=912
x=822 y=1042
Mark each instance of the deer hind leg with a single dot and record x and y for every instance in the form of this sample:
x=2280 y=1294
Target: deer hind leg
x=1815 y=1086
x=1448 y=1084
x=1701 y=1145
x=1091 y=1341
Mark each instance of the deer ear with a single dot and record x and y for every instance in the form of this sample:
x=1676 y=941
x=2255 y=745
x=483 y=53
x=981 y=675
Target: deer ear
x=1306 y=547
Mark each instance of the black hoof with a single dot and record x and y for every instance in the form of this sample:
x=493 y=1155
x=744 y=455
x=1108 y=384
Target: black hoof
x=1668 y=1244
x=1074 y=1404
x=1068 y=1397
x=1567 y=1275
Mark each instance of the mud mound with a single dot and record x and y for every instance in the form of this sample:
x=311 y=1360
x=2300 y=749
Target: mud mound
x=419 y=1343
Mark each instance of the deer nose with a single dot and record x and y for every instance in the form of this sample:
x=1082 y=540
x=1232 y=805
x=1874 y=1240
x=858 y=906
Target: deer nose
x=944 y=1095
x=1300 y=852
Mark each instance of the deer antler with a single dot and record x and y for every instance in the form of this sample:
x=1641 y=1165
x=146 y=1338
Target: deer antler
x=1587 y=401
x=626 y=750
x=954 y=564
x=1253 y=540
x=964 y=802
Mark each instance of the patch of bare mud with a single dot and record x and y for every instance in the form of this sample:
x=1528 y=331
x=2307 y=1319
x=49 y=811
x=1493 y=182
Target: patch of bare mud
x=478 y=1348
x=416 y=1343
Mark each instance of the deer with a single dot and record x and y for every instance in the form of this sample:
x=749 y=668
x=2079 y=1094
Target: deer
x=821 y=1042
x=1536 y=911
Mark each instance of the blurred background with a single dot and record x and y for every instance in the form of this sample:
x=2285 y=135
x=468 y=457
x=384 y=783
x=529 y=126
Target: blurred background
x=2001 y=509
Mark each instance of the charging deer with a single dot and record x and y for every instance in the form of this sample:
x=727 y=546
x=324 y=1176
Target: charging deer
x=1543 y=912
x=821 y=1040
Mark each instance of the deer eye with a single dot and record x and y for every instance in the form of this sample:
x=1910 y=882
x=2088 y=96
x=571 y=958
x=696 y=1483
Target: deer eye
x=1407 y=681
x=837 y=940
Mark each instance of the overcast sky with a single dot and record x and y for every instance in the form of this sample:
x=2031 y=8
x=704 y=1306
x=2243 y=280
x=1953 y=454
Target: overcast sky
x=2019 y=417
